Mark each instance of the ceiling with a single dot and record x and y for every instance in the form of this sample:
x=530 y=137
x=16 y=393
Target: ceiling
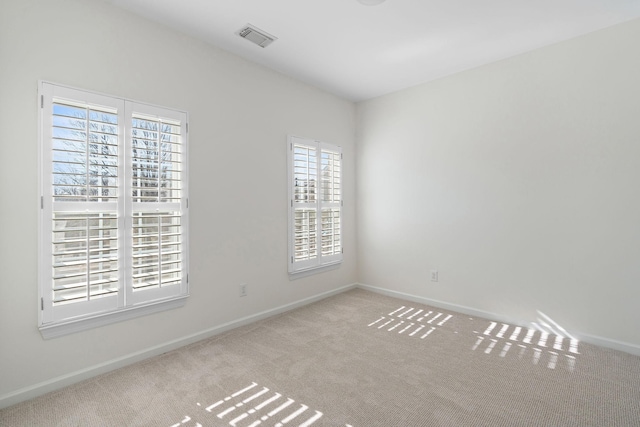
x=359 y=52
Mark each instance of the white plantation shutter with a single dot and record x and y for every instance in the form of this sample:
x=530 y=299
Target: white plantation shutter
x=305 y=198
x=85 y=173
x=330 y=172
x=113 y=217
x=315 y=189
x=81 y=180
x=157 y=224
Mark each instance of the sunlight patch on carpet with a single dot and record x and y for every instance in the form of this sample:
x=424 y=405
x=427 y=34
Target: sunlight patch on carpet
x=411 y=321
x=541 y=347
x=253 y=406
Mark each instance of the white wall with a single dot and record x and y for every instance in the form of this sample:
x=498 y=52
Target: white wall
x=240 y=114
x=518 y=181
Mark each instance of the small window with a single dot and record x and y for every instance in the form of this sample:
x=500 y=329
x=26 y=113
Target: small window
x=114 y=217
x=315 y=214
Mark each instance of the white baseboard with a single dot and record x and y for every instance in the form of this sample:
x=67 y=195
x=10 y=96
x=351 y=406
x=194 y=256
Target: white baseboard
x=609 y=343
x=441 y=304
x=587 y=338
x=53 y=384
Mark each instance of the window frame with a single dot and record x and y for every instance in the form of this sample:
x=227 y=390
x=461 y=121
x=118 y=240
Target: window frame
x=63 y=319
x=319 y=262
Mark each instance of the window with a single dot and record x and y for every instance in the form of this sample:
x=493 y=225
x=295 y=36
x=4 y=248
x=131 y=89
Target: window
x=114 y=217
x=315 y=194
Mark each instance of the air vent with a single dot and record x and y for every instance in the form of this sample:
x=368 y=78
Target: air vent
x=256 y=35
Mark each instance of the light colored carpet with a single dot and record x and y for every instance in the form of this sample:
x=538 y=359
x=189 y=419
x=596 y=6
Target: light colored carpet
x=358 y=359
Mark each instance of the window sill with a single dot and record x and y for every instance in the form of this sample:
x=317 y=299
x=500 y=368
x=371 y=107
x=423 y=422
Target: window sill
x=314 y=270
x=77 y=325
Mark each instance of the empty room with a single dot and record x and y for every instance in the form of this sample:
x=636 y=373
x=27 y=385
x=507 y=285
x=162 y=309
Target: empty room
x=350 y=213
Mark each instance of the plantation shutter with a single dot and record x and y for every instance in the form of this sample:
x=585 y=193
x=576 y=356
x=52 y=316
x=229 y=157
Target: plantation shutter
x=330 y=204
x=156 y=203
x=114 y=222
x=315 y=182
x=82 y=174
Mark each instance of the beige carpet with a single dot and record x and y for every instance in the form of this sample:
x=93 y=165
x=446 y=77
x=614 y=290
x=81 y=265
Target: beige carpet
x=359 y=359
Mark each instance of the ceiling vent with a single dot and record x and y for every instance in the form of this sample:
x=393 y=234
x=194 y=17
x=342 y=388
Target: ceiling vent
x=256 y=35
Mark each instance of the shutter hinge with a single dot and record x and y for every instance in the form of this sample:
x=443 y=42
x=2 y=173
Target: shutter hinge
x=187 y=278
x=291 y=203
x=42 y=304
x=41 y=101
x=342 y=203
x=341 y=250
x=340 y=156
x=41 y=202
x=291 y=146
x=187 y=126
x=187 y=203
x=291 y=260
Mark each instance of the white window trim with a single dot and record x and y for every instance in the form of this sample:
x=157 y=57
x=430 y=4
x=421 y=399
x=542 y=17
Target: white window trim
x=320 y=263
x=72 y=326
x=50 y=327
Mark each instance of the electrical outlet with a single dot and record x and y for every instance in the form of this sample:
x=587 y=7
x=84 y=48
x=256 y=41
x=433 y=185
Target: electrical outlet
x=434 y=275
x=243 y=289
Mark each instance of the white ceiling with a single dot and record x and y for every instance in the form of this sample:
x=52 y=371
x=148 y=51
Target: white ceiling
x=360 y=52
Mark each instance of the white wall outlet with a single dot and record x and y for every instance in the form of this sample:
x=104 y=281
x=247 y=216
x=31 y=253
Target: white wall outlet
x=243 y=289
x=434 y=275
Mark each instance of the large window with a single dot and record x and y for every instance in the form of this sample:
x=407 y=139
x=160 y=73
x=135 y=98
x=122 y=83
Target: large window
x=114 y=217
x=315 y=193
